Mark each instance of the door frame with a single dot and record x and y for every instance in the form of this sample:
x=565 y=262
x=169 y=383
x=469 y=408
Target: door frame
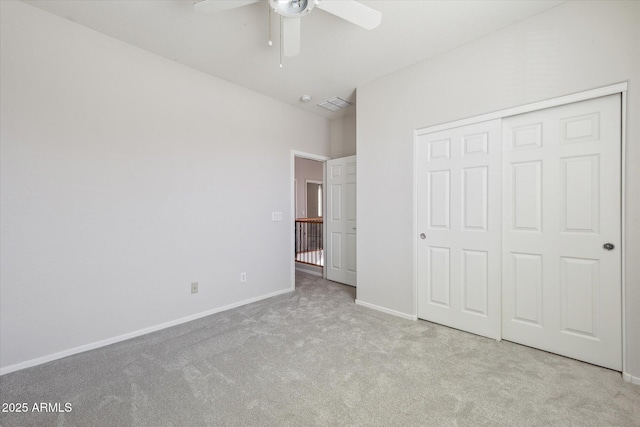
x=618 y=88
x=292 y=210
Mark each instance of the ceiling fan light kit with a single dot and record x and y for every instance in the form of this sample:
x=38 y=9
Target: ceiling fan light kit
x=292 y=8
x=291 y=11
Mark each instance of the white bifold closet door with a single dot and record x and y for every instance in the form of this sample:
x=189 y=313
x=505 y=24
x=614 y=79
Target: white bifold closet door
x=458 y=250
x=562 y=230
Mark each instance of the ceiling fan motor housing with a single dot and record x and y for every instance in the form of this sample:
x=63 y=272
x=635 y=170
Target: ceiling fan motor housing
x=292 y=8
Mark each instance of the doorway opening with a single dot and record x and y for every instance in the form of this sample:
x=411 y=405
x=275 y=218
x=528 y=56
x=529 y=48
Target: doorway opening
x=309 y=255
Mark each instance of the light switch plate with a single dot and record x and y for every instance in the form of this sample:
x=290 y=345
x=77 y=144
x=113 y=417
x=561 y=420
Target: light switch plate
x=276 y=216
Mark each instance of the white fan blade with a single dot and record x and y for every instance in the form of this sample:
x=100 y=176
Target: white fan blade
x=206 y=7
x=352 y=11
x=291 y=36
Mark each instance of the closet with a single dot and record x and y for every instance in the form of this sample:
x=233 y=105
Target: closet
x=519 y=229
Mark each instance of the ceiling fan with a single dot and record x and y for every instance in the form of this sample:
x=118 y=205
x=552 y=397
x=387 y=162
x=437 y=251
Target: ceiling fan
x=291 y=11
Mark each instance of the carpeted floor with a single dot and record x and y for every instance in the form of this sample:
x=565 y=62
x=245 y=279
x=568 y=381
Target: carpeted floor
x=313 y=357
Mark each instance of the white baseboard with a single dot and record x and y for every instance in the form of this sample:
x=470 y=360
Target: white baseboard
x=124 y=337
x=630 y=378
x=387 y=310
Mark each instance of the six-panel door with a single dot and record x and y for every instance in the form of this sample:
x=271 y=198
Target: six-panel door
x=341 y=220
x=459 y=216
x=561 y=205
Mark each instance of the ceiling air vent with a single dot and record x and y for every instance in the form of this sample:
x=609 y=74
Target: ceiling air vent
x=334 y=104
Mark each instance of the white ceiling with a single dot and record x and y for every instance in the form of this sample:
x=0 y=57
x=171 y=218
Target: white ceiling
x=335 y=57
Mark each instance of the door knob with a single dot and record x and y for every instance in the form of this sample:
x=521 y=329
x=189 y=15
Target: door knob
x=608 y=246
x=423 y=236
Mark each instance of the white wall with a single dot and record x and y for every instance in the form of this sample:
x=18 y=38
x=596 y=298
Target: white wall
x=125 y=177
x=575 y=47
x=305 y=169
x=343 y=136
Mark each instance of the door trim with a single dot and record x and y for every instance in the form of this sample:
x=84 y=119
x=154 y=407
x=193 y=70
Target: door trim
x=620 y=88
x=292 y=207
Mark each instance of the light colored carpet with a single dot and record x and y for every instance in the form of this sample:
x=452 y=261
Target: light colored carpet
x=312 y=357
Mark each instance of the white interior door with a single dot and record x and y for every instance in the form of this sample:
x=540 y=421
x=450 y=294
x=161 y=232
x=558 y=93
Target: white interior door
x=341 y=220
x=561 y=204
x=459 y=252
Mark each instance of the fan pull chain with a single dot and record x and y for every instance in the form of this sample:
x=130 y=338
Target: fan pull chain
x=270 y=38
x=281 y=41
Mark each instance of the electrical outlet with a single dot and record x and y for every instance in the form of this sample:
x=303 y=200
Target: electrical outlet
x=243 y=277
x=194 y=288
